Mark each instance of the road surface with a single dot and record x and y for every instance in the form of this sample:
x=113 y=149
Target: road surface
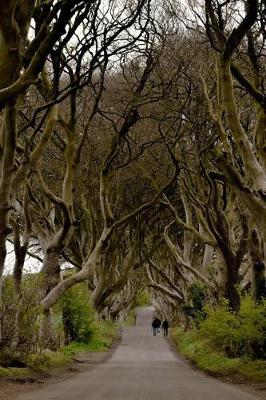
x=142 y=368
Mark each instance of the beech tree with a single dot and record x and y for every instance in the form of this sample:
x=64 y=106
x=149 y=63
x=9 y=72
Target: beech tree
x=22 y=61
x=134 y=149
x=110 y=165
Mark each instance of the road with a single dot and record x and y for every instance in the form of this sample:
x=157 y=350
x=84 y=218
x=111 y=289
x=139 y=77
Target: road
x=142 y=368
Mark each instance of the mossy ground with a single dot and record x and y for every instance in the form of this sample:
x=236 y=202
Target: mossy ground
x=215 y=363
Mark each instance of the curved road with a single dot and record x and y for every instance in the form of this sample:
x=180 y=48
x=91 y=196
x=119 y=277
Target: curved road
x=142 y=368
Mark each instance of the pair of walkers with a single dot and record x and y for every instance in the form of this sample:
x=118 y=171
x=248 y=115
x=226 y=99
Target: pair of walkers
x=156 y=325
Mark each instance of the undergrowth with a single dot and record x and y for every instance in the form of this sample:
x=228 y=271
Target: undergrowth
x=225 y=343
x=102 y=337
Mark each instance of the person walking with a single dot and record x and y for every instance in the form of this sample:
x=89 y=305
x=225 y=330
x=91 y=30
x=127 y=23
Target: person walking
x=165 y=326
x=156 y=323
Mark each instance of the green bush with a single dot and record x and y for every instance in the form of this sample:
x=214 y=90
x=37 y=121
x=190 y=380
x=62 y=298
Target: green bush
x=196 y=348
x=73 y=320
x=37 y=361
x=143 y=299
x=103 y=335
x=77 y=313
x=198 y=296
x=237 y=333
x=18 y=321
x=252 y=334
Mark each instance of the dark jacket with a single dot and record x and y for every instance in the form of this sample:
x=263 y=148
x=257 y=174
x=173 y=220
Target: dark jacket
x=165 y=324
x=156 y=323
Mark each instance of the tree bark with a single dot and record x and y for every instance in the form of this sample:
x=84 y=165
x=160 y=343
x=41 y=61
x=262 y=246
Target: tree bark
x=14 y=25
x=253 y=168
x=92 y=263
x=7 y=175
x=231 y=292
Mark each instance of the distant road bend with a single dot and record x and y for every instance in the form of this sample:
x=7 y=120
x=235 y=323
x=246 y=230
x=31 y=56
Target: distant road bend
x=142 y=368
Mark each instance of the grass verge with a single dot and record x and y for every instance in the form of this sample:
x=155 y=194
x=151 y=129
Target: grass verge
x=197 y=350
x=103 y=335
x=130 y=320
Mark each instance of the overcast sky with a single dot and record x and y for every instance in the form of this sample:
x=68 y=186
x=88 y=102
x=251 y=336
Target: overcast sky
x=31 y=264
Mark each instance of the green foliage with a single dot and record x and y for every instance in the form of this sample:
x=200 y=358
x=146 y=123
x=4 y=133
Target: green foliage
x=77 y=313
x=252 y=332
x=197 y=349
x=228 y=342
x=102 y=336
x=80 y=323
x=13 y=372
x=220 y=327
x=75 y=348
x=198 y=296
x=104 y=333
x=73 y=318
x=18 y=321
x=237 y=334
x=143 y=299
x=194 y=310
x=101 y=339
x=255 y=370
x=38 y=361
x=130 y=319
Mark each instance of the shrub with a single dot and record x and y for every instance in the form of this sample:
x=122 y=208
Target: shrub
x=237 y=333
x=78 y=314
x=18 y=321
x=143 y=299
x=253 y=327
x=198 y=296
x=221 y=328
x=73 y=319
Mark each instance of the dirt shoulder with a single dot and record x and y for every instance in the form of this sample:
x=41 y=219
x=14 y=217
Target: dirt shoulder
x=11 y=387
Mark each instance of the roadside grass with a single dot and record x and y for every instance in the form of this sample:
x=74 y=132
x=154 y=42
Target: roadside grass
x=131 y=319
x=255 y=370
x=6 y=372
x=103 y=335
x=215 y=363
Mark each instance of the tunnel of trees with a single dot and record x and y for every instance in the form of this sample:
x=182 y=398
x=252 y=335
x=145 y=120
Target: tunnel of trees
x=132 y=151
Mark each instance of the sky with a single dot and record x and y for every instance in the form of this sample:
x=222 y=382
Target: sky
x=31 y=264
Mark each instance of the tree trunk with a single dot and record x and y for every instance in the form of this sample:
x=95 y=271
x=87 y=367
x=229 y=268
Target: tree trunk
x=50 y=271
x=256 y=257
x=18 y=268
x=258 y=280
x=17 y=278
x=51 y=277
x=2 y=256
x=231 y=292
x=93 y=262
x=231 y=281
x=6 y=177
x=254 y=170
x=14 y=25
x=15 y=18
x=232 y=277
x=45 y=333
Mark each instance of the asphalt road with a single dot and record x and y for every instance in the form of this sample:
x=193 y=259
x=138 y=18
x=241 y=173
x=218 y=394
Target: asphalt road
x=142 y=368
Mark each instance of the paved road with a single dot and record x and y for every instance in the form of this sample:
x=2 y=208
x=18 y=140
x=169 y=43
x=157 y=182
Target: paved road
x=142 y=368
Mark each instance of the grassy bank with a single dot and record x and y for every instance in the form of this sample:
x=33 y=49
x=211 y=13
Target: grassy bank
x=197 y=349
x=103 y=335
x=131 y=319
